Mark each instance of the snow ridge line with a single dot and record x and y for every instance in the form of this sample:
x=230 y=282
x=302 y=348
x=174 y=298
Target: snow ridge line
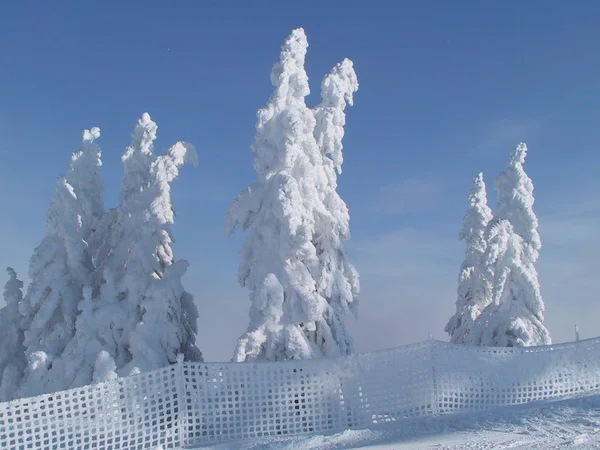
x=189 y=405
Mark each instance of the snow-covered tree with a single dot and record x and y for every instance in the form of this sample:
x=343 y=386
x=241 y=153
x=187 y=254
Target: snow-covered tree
x=58 y=269
x=12 y=351
x=168 y=325
x=299 y=280
x=474 y=290
x=515 y=315
x=80 y=194
x=136 y=263
x=338 y=280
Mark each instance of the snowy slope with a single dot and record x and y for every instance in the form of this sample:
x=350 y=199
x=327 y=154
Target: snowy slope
x=561 y=425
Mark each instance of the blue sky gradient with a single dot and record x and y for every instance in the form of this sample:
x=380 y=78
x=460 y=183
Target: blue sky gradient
x=447 y=89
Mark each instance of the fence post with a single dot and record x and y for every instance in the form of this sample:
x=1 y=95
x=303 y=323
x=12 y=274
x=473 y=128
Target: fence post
x=181 y=400
x=436 y=404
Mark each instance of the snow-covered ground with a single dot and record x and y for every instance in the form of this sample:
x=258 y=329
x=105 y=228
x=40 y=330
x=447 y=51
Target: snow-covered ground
x=558 y=425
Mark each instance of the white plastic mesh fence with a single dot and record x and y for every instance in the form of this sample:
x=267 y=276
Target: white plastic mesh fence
x=193 y=404
x=477 y=378
x=138 y=412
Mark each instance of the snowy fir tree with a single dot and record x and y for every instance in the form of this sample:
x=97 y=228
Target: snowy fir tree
x=12 y=350
x=474 y=290
x=60 y=269
x=147 y=315
x=58 y=272
x=514 y=318
x=299 y=280
x=337 y=280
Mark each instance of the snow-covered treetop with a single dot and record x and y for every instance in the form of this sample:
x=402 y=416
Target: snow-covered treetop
x=515 y=198
x=337 y=90
x=288 y=75
x=138 y=157
x=145 y=201
x=84 y=176
x=13 y=293
x=143 y=136
x=477 y=217
x=291 y=83
x=166 y=169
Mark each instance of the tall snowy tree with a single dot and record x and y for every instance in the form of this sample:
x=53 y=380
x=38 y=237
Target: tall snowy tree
x=74 y=366
x=12 y=350
x=57 y=272
x=299 y=280
x=168 y=324
x=60 y=268
x=142 y=285
x=338 y=280
x=514 y=318
x=474 y=290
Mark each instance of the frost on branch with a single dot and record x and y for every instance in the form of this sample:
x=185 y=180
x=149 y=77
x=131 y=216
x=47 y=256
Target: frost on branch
x=474 y=290
x=292 y=261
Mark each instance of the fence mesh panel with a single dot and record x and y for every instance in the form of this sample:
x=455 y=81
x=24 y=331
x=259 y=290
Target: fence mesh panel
x=188 y=405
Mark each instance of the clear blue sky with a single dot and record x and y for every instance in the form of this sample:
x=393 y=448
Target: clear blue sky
x=446 y=90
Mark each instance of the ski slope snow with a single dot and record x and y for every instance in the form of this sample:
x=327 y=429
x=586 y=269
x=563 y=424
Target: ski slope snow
x=570 y=424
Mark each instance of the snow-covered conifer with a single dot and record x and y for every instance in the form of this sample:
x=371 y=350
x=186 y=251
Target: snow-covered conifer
x=12 y=351
x=473 y=290
x=338 y=280
x=168 y=325
x=58 y=269
x=515 y=315
x=73 y=366
x=284 y=213
x=137 y=259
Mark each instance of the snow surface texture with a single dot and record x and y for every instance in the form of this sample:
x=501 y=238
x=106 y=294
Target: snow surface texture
x=514 y=316
x=474 y=290
x=569 y=424
x=293 y=263
x=188 y=405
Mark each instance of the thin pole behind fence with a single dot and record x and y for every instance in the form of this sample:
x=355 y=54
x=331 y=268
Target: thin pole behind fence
x=181 y=400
